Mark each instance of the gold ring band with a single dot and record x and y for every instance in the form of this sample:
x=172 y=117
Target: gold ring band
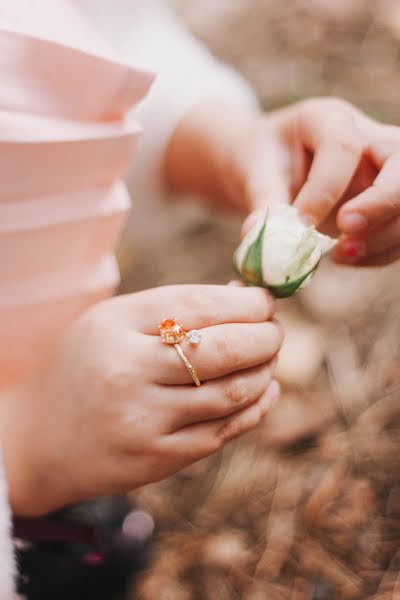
x=172 y=333
x=188 y=365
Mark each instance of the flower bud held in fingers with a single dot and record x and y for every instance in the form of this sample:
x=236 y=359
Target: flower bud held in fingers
x=281 y=253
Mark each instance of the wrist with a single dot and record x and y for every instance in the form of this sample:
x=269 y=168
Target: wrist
x=17 y=467
x=29 y=469
x=198 y=157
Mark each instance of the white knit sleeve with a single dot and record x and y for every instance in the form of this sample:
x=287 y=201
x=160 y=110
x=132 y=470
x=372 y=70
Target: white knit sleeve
x=148 y=34
x=186 y=74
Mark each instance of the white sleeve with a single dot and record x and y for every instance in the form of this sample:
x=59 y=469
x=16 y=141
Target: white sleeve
x=147 y=34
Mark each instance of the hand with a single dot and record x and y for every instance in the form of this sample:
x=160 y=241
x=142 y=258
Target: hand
x=114 y=408
x=339 y=167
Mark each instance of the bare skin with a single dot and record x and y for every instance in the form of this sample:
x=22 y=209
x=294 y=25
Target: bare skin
x=338 y=166
x=114 y=408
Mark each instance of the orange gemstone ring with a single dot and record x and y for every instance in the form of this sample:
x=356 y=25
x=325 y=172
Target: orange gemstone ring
x=172 y=333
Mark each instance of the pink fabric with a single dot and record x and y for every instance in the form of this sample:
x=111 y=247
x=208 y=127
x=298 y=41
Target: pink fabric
x=90 y=88
x=64 y=144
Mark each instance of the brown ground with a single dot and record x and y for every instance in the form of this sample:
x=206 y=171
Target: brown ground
x=308 y=507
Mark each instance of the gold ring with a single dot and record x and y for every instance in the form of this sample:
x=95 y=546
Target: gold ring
x=188 y=365
x=172 y=333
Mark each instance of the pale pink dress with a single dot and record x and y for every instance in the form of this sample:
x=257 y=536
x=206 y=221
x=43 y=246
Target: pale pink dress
x=66 y=139
x=65 y=142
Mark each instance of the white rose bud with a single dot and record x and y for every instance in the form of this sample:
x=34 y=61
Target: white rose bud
x=281 y=253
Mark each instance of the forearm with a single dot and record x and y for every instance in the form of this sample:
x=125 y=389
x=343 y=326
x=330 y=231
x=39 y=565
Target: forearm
x=198 y=159
x=35 y=482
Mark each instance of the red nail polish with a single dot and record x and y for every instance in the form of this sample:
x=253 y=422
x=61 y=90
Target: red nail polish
x=354 y=249
x=351 y=250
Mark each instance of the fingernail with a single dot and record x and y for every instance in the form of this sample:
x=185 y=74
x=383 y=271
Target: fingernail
x=308 y=220
x=352 y=222
x=235 y=283
x=272 y=394
x=252 y=220
x=350 y=251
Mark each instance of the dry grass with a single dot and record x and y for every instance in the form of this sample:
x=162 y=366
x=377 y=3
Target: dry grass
x=307 y=507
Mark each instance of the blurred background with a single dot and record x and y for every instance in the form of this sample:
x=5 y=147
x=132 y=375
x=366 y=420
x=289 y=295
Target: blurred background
x=308 y=507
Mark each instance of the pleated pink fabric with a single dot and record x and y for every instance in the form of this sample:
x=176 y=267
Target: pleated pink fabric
x=65 y=142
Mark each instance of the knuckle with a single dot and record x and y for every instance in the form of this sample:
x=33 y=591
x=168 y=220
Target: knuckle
x=116 y=378
x=337 y=104
x=236 y=393
x=340 y=125
x=308 y=108
x=333 y=104
x=327 y=199
x=200 y=303
x=322 y=103
x=230 y=353
x=228 y=431
x=192 y=301
x=310 y=104
x=351 y=145
x=389 y=198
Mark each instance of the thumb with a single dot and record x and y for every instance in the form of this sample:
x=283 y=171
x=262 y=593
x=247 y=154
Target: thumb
x=268 y=181
x=252 y=220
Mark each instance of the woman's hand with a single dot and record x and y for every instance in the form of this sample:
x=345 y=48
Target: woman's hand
x=115 y=408
x=339 y=167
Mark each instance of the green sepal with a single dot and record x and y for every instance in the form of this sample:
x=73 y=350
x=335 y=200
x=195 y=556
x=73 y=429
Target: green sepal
x=251 y=270
x=287 y=289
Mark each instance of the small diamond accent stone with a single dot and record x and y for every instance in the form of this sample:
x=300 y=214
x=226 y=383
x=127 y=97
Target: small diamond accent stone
x=194 y=337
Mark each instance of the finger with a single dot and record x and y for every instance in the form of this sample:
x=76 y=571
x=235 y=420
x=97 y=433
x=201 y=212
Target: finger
x=217 y=399
x=355 y=250
x=331 y=172
x=252 y=220
x=267 y=177
x=381 y=260
x=224 y=349
x=198 y=441
x=266 y=173
x=236 y=425
x=337 y=150
x=378 y=260
x=376 y=205
x=349 y=251
x=197 y=306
